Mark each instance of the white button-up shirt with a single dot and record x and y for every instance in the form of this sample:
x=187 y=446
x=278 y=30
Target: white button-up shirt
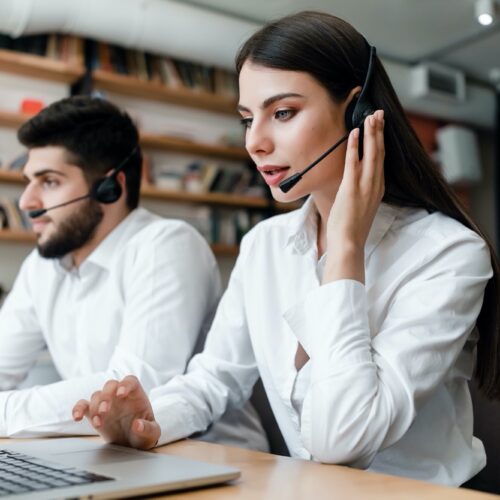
x=386 y=384
x=137 y=305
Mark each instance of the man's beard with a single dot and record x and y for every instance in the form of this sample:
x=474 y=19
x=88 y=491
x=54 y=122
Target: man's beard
x=74 y=232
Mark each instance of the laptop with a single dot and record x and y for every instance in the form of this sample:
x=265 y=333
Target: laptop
x=79 y=468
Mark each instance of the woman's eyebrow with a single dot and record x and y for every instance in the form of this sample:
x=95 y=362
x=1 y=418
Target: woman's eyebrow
x=271 y=100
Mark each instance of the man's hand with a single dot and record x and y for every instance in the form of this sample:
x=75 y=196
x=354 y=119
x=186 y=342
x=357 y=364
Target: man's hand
x=121 y=413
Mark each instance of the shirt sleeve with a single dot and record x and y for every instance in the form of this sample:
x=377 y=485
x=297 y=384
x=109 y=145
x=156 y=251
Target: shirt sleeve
x=170 y=286
x=220 y=378
x=21 y=339
x=366 y=386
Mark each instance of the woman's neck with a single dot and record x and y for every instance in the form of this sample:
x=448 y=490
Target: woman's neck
x=323 y=204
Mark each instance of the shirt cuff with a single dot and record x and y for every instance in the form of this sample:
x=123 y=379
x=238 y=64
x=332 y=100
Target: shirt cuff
x=4 y=396
x=174 y=418
x=330 y=321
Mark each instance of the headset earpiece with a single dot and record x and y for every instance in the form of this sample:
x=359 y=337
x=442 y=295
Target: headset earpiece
x=360 y=106
x=107 y=190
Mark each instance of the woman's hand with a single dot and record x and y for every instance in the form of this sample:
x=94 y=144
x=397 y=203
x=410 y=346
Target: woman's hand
x=121 y=413
x=356 y=203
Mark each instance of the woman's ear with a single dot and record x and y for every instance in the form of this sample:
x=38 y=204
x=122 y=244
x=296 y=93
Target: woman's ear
x=354 y=93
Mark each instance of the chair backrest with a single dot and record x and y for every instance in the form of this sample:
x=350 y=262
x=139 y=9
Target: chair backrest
x=487 y=429
x=260 y=402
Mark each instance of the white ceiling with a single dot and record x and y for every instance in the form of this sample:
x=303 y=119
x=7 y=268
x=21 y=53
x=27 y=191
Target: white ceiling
x=407 y=31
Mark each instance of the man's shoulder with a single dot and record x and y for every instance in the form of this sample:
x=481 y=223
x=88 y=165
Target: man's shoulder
x=151 y=230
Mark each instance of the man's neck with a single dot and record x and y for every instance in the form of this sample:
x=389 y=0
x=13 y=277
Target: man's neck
x=107 y=225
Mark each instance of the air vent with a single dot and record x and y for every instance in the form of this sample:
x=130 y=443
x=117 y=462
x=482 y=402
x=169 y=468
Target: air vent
x=434 y=81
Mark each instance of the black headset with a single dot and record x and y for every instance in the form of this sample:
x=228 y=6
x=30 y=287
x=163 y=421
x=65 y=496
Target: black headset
x=106 y=190
x=358 y=109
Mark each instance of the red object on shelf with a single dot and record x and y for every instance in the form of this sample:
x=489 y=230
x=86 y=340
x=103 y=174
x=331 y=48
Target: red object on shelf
x=31 y=106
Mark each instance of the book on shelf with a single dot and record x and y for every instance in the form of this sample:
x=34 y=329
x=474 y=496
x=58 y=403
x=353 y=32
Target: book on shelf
x=209 y=177
x=15 y=163
x=11 y=216
x=222 y=226
x=68 y=48
x=158 y=68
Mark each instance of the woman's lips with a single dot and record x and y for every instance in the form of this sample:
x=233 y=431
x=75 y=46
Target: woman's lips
x=272 y=174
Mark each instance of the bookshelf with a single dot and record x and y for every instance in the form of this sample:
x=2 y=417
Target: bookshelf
x=12 y=119
x=28 y=237
x=154 y=141
x=44 y=68
x=168 y=143
x=131 y=86
x=149 y=191
x=17 y=236
x=40 y=67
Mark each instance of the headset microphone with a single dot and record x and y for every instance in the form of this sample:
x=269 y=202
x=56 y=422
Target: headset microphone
x=359 y=108
x=33 y=214
x=106 y=190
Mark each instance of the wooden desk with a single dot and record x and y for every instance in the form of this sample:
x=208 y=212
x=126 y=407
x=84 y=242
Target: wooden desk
x=270 y=477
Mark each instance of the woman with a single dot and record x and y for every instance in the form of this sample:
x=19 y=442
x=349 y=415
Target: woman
x=358 y=310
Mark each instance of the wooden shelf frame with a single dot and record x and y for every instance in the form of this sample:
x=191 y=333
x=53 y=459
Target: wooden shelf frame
x=169 y=143
x=182 y=96
x=40 y=67
x=149 y=191
x=28 y=237
x=154 y=141
x=17 y=236
x=12 y=119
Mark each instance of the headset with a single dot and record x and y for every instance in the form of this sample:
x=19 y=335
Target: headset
x=358 y=109
x=106 y=190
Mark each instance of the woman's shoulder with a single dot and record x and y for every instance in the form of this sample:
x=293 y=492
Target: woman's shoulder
x=418 y=222
x=435 y=234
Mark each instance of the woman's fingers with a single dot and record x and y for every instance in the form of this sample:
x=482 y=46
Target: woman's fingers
x=128 y=385
x=146 y=433
x=373 y=158
x=351 y=157
x=80 y=410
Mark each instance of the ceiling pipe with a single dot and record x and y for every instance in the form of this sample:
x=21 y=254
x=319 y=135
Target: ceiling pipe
x=158 y=26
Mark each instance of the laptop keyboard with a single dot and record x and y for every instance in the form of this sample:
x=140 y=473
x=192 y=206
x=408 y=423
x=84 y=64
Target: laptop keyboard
x=20 y=474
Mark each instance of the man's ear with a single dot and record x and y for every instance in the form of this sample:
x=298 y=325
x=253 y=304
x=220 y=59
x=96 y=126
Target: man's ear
x=122 y=180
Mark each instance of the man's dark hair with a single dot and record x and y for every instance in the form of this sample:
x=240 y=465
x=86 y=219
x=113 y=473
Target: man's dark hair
x=96 y=135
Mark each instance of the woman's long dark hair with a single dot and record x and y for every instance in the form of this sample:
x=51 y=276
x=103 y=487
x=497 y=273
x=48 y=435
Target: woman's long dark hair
x=334 y=53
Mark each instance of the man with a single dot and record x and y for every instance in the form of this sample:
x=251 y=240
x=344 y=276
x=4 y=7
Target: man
x=111 y=289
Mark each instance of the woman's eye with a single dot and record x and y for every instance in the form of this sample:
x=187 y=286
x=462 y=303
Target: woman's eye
x=284 y=114
x=246 y=122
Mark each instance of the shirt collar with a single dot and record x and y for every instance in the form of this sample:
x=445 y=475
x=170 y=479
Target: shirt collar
x=304 y=225
x=102 y=256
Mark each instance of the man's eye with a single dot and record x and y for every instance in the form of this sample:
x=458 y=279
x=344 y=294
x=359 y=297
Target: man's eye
x=50 y=183
x=246 y=122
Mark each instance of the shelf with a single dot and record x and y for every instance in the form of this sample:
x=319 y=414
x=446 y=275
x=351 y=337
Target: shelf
x=167 y=143
x=40 y=67
x=233 y=200
x=149 y=191
x=11 y=177
x=13 y=119
x=19 y=236
x=131 y=86
x=153 y=141
x=225 y=250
